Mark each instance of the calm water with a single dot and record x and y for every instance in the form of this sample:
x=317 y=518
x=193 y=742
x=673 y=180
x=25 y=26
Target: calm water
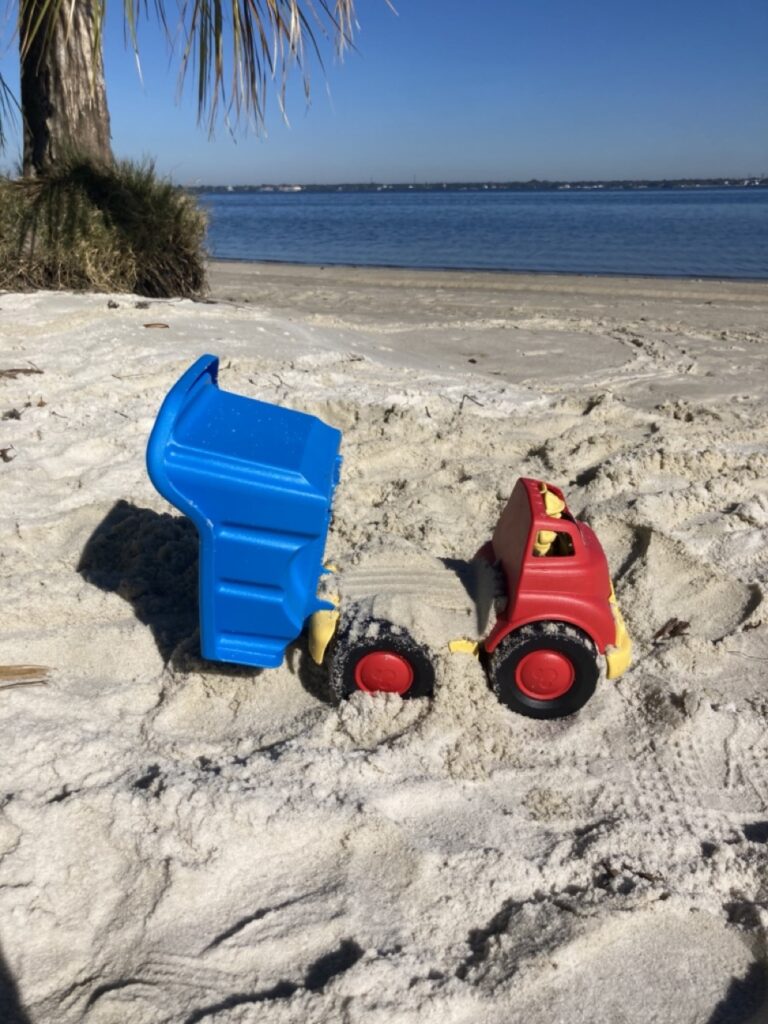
x=696 y=233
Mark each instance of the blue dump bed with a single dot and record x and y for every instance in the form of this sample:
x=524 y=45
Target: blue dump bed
x=257 y=481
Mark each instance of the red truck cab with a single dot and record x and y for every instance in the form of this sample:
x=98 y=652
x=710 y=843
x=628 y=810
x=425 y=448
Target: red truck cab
x=560 y=610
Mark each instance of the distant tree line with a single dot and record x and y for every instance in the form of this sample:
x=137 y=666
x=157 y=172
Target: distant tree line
x=535 y=185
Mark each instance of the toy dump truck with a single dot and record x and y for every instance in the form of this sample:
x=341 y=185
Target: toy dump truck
x=258 y=482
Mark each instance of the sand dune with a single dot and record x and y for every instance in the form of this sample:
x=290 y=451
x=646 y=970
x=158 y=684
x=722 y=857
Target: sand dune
x=182 y=841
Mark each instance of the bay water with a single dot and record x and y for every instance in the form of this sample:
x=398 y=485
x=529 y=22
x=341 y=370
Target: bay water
x=691 y=232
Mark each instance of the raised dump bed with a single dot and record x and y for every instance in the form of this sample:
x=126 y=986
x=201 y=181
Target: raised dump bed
x=257 y=480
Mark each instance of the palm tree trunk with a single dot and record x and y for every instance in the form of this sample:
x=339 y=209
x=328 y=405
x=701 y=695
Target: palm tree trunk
x=63 y=96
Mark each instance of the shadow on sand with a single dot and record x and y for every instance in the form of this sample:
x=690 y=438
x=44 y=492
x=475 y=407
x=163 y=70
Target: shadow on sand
x=11 y=1010
x=151 y=560
x=746 y=1000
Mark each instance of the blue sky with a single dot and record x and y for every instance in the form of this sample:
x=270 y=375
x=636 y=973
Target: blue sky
x=492 y=90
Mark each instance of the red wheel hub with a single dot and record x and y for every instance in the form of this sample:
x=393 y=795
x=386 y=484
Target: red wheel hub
x=383 y=672
x=545 y=675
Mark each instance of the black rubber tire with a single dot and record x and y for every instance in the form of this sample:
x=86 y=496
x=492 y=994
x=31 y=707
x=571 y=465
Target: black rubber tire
x=555 y=636
x=346 y=652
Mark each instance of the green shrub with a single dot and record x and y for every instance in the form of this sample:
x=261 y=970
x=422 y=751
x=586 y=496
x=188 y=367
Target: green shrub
x=107 y=229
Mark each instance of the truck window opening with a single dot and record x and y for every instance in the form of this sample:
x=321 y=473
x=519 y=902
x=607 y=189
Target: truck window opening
x=552 y=543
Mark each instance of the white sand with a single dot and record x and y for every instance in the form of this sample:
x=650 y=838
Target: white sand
x=183 y=842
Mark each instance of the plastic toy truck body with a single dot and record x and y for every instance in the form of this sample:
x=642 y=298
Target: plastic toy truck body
x=258 y=482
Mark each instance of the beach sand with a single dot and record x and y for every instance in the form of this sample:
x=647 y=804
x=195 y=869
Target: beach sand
x=182 y=841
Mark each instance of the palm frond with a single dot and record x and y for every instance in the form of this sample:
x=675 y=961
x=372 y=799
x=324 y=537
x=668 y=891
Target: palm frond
x=233 y=48
x=8 y=108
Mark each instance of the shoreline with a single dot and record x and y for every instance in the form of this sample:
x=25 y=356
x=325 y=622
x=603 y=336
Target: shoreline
x=237 y=277
x=490 y=271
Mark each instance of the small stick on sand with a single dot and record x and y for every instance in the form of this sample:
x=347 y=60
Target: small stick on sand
x=18 y=371
x=22 y=675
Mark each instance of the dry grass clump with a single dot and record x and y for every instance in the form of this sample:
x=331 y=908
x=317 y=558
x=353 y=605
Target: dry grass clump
x=109 y=229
